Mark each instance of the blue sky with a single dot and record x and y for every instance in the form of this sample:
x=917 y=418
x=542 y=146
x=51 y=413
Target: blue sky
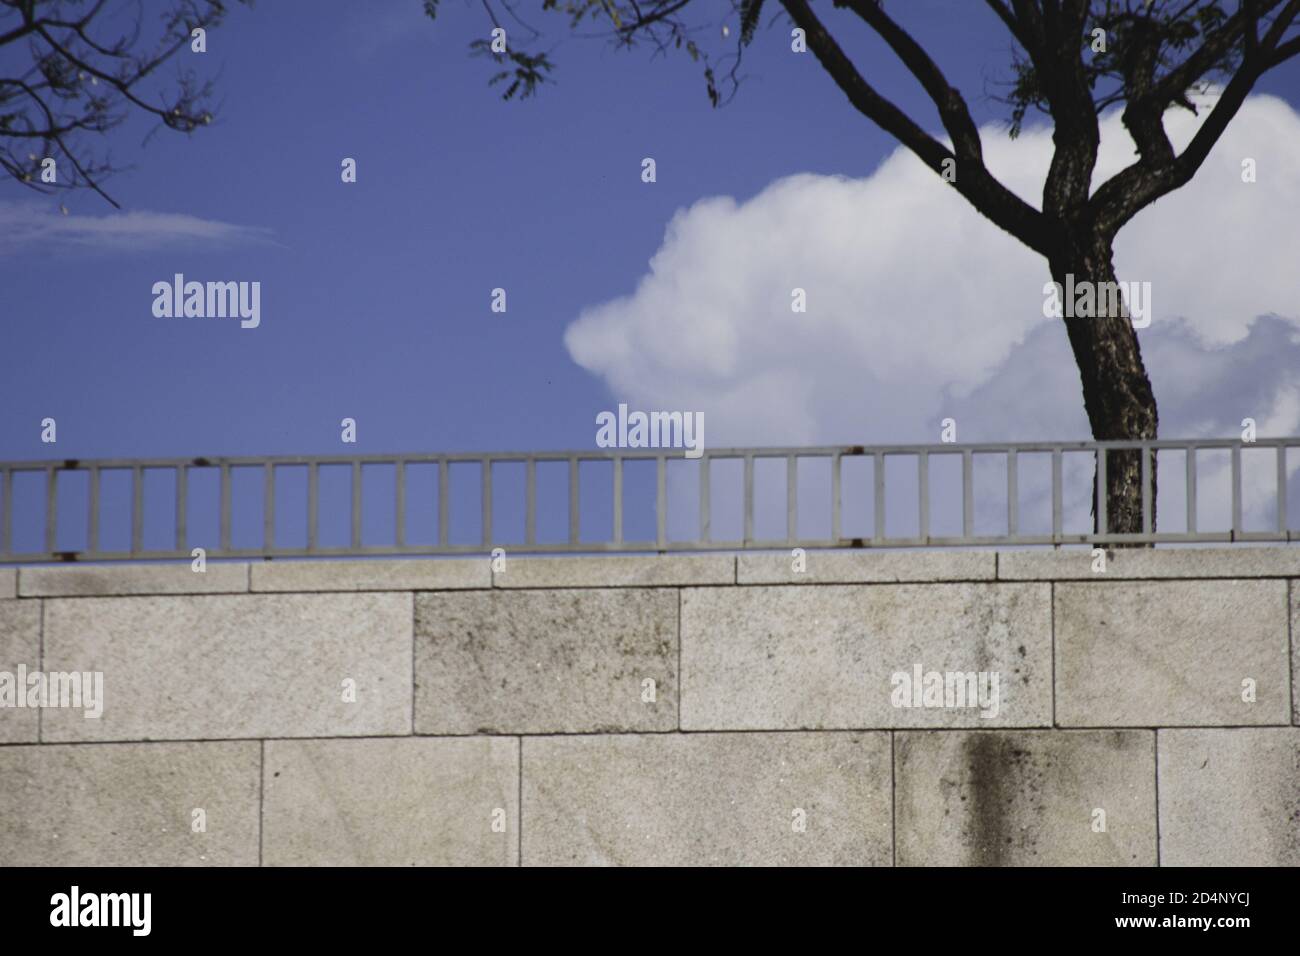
x=375 y=295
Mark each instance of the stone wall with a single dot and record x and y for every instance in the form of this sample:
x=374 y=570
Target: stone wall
x=703 y=709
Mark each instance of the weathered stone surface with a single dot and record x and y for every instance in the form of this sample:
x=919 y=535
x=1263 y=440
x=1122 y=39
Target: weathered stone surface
x=617 y=572
x=392 y=802
x=533 y=662
x=111 y=579
x=395 y=575
x=707 y=799
x=1230 y=797
x=129 y=804
x=256 y=665
x=767 y=658
x=1076 y=563
x=1171 y=653
x=854 y=567
x=1025 y=798
x=8 y=583
x=1295 y=653
x=20 y=644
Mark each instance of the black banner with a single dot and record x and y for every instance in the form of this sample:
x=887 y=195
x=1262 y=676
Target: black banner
x=331 y=906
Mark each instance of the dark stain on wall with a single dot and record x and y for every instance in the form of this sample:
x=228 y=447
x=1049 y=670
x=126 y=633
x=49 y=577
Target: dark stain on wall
x=986 y=760
x=1003 y=798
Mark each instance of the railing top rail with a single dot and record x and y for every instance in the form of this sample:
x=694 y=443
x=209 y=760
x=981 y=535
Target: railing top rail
x=609 y=454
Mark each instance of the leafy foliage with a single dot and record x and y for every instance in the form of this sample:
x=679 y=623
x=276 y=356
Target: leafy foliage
x=529 y=72
x=1143 y=42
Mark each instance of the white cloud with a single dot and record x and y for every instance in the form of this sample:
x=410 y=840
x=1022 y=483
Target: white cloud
x=29 y=225
x=911 y=293
x=919 y=309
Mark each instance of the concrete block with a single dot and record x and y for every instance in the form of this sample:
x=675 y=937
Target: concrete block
x=1230 y=797
x=395 y=575
x=1171 y=653
x=534 y=662
x=111 y=579
x=1025 y=798
x=707 y=799
x=865 y=567
x=617 y=572
x=256 y=665
x=768 y=658
x=392 y=802
x=1076 y=563
x=20 y=645
x=129 y=804
x=8 y=583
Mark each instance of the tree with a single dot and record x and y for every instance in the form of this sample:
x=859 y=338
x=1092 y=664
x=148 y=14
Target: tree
x=80 y=70
x=1072 y=60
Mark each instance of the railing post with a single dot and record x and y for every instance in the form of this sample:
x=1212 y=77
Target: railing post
x=530 y=500
x=1236 y=492
x=749 y=500
x=400 y=503
x=1056 y=496
x=1013 y=494
x=573 y=500
x=706 y=505
x=1281 y=489
x=225 y=507
x=661 y=501
x=182 y=506
x=313 y=506
x=618 y=499
x=1147 y=454
x=51 y=510
x=878 y=502
x=791 y=499
x=356 y=505
x=137 y=511
x=836 y=478
x=923 y=495
x=444 y=492
x=1103 y=523
x=268 y=508
x=92 y=520
x=487 y=502
x=967 y=495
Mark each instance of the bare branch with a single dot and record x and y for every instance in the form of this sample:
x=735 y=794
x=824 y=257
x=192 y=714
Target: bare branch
x=77 y=84
x=973 y=181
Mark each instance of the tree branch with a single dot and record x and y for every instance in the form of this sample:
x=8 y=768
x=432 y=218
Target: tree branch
x=1158 y=171
x=993 y=200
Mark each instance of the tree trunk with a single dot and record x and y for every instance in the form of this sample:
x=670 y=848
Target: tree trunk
x=1116 y=391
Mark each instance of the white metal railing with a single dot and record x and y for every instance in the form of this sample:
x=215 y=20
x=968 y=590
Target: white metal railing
x=181 y=541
